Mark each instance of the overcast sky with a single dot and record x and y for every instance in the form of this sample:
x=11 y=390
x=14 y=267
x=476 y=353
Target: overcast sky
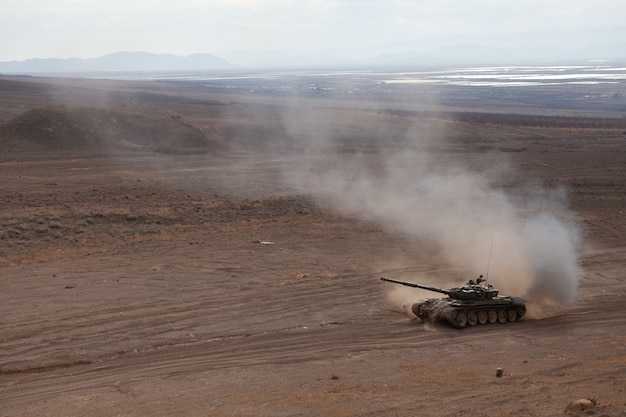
x=91 y=28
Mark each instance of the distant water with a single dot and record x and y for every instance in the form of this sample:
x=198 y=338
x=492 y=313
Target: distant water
x=493 y=76
x=515 y=76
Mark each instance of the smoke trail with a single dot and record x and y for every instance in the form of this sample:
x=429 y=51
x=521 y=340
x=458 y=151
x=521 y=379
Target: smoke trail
x=461 y=209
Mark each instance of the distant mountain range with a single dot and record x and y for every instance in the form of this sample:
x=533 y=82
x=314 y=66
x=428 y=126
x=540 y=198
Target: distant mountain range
x=547 y=47
x=119 y=61
x=472 y=54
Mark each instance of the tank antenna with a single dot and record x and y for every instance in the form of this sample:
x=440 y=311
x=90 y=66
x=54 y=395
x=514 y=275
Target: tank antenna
x=489 y=261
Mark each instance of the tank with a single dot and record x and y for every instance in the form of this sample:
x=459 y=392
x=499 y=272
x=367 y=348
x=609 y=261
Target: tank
x=468 y=305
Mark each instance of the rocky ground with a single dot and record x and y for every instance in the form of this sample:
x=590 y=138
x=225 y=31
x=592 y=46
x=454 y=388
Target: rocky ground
x=173 y=250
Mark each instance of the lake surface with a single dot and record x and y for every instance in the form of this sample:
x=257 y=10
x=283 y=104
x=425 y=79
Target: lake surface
x=493 y=76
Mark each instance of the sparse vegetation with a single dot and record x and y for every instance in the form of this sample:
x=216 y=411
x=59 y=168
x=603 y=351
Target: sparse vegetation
x=135 y=281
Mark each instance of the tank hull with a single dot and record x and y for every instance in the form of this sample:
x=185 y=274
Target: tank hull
x=464 y=313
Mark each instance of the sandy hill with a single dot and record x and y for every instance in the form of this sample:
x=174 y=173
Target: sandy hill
x=92 y=129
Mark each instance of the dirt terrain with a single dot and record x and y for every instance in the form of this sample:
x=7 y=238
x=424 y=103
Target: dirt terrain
x=198 y=249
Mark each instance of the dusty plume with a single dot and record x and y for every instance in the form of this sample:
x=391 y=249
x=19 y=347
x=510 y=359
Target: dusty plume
x=524 y=237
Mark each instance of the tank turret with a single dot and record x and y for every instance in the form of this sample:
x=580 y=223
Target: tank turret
x=467 y=305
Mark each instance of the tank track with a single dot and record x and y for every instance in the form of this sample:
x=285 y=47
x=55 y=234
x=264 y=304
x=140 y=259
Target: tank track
x=472 y=316
x=468 y=316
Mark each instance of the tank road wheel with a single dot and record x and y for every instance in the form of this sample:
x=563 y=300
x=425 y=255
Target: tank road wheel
x=417 y=310
x=512 y=315
x=461 y=319
x=493 y=316
x=521 y=310
x=502 y=316
x=472 y=318
x=451 y=316
x=482 y=317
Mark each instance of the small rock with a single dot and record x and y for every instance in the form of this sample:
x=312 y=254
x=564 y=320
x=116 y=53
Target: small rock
x=499 y=372
x=579 y=405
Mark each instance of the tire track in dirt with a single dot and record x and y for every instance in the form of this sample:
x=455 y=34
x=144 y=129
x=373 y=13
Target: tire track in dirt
x=283 y=347
x=376 y=330
x=286 y=346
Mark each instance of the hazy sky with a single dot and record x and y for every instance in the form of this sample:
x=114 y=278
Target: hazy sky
x=91 y=28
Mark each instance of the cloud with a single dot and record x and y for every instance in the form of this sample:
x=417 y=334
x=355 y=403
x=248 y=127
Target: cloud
x=258 y=24
x=62 y=28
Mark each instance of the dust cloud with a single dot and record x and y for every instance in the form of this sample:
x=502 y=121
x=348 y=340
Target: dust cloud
x=523 y=238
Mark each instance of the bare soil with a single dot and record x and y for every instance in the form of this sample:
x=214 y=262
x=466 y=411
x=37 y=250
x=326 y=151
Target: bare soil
x=157 y=261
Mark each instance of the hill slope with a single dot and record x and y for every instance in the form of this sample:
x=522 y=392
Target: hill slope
x=61 y=128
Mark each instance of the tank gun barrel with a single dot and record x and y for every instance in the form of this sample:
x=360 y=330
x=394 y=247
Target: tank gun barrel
x=410 y=284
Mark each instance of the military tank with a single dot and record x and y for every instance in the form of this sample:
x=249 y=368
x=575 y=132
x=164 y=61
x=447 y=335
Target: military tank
x=468 y=305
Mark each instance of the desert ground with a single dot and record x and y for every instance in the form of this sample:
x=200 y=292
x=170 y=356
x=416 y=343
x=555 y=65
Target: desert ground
x=188 y=248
